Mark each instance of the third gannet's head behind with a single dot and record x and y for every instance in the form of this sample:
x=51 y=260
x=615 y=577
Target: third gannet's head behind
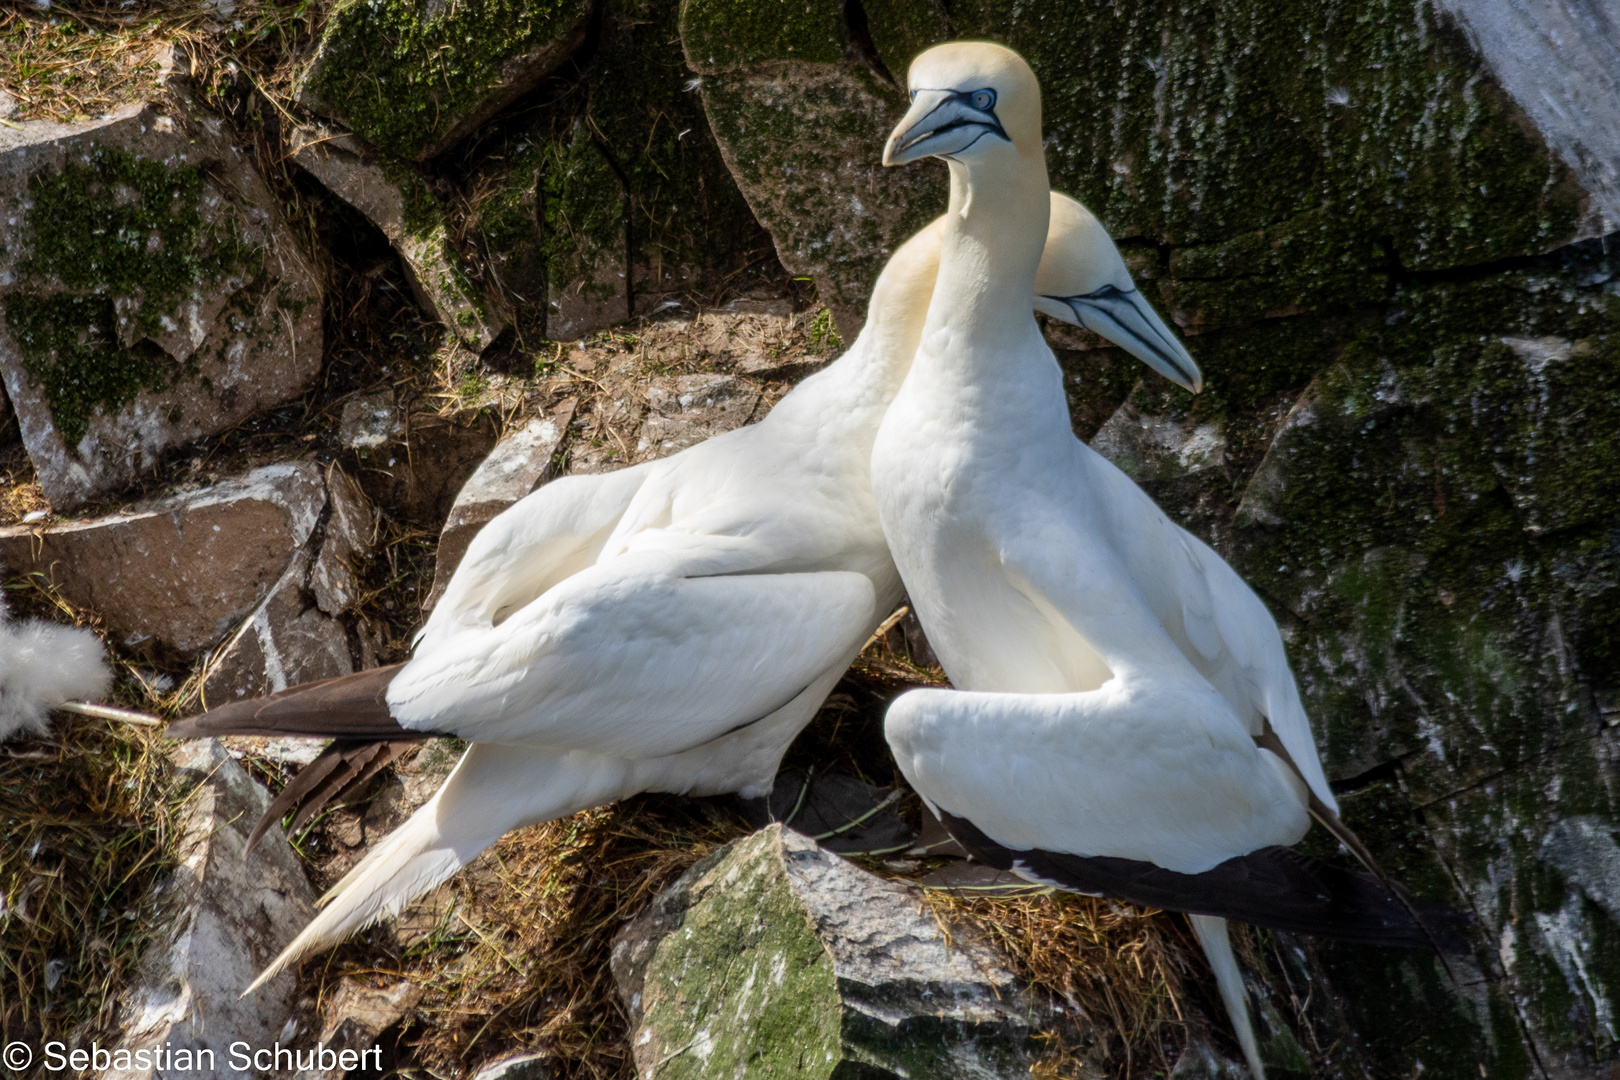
x=971 y=102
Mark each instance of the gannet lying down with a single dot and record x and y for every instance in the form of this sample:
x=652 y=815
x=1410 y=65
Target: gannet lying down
x=1126 y=722
x=668 y=627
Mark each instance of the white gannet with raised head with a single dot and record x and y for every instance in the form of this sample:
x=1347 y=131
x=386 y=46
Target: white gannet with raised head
x=668 y=627
x=1125 y=721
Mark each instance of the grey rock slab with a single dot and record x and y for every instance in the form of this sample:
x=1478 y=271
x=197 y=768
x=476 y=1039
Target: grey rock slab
x=185 y=569
x=684 y=410
x=447 y=69
x=370 y=421
x=224 y=919
x=776 y=957
x=1560 y=61
x=396 y=200
x=210 y=314
x=294 y=635
x=519 y=463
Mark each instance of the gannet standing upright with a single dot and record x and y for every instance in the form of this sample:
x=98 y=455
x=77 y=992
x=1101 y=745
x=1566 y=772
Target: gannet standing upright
x=668 y=627
x=1126 y=722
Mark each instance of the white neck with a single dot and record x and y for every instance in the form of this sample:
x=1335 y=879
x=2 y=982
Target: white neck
x=994 y=234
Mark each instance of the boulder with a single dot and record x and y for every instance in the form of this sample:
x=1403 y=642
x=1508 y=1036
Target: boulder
x=152 y=292
x=773 y=956
x=224 y=919
x=394 y=198
x=414 y=77
x=418 y=472
x=261 y=562
x=294 y=636
x=518 y=1067
x=519 y=464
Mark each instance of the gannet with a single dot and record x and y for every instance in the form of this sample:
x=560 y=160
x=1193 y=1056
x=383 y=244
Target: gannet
x=1124 y=720
x=667 y=627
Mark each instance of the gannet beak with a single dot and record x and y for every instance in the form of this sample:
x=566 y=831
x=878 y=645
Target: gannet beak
x=1129 y=321
x=941 y=123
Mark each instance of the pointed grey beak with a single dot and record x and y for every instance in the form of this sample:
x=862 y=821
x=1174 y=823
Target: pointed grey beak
x=938 y=124
x=1129 y=321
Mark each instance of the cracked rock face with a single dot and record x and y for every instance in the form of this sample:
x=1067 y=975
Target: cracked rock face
x=774 y=956
x=152 y=292
x=226 y=919
x=413 y=77
x=260 y=562
x=397 y=201
x=1387 y=234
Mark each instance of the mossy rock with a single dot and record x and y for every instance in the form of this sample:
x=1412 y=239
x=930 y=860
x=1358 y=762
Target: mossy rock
x=612 y=196
x=1291 y=156
x=414 y=77
x=152 y=292
x=774 y=957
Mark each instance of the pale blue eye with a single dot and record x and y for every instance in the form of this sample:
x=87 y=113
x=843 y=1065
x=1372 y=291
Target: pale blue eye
x=983 y=100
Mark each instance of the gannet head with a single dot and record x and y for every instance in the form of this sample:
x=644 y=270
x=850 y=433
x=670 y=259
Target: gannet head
x=1083 y=281
x=970 y=101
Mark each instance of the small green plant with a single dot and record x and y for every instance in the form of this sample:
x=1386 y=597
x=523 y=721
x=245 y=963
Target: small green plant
x=824 y=332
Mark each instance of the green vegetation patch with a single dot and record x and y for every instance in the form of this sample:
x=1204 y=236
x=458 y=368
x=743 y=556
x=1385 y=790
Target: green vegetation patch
x=115 y=243
x=403 y=73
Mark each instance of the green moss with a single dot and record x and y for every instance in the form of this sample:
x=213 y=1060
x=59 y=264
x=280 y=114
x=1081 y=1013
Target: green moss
x=744 y=986
x=115 y=244
x=722 y=34
x=404 y=73
x=631 y=137
x=1299 y=152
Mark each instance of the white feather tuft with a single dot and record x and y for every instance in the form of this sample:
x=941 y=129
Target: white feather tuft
x=41 y=666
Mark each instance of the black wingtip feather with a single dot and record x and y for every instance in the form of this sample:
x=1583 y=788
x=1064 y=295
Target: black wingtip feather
x=1273 y=887
x=341 y=769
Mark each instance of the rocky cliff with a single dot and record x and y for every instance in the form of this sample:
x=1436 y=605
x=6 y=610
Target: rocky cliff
x=352 y=248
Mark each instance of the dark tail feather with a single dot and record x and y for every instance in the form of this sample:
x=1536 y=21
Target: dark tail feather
x=352 y=710
x=348 y=707
x=342 y=768
x=1273 y=887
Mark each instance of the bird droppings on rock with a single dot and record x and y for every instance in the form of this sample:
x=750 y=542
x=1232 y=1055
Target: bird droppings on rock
x=224 y=918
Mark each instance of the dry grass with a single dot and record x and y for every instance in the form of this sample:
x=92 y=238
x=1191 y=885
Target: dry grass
x=520 y=960
x=87 y=827
x=1128 y=972
x=72 y=60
